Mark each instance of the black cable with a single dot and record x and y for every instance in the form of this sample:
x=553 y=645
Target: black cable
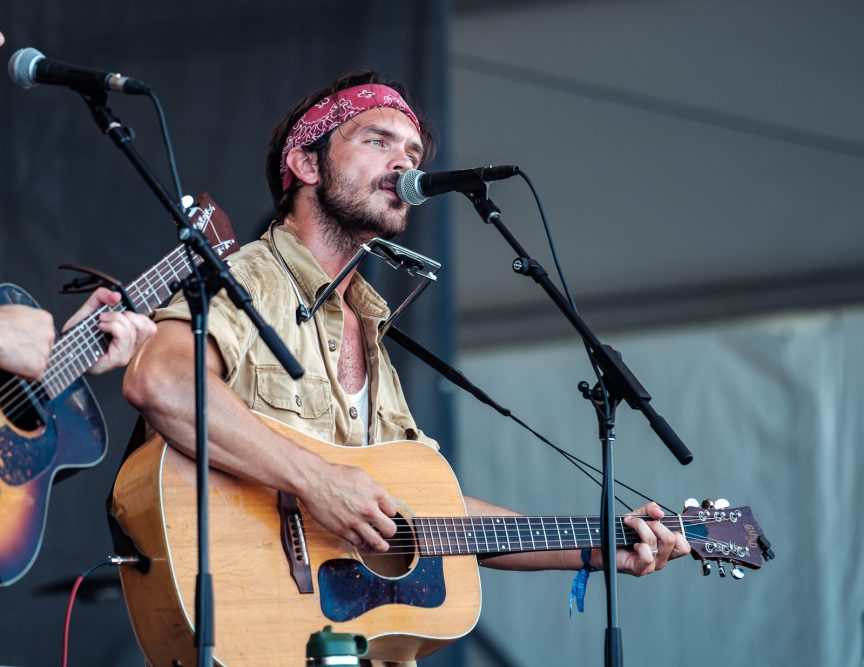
x=166 y=138
x=606 y=411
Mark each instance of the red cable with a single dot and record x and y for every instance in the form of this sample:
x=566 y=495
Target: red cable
x=75 y=587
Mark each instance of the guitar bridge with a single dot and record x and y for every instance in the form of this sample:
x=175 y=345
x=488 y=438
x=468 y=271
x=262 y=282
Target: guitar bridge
x=294 y=542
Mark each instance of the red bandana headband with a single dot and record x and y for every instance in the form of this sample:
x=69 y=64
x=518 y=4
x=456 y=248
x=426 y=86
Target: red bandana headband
x=331 y=112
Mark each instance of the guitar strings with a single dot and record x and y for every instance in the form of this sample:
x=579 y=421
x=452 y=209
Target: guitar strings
x=444 y=549
x=86 y=332
x=454 y=544
x=593 y=522
x=14 y=389
x=400 y=547
x=437 y=532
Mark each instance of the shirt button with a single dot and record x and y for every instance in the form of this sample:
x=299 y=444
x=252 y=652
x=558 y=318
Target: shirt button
x=353 y=413
x=331 y=345
x=298 y=401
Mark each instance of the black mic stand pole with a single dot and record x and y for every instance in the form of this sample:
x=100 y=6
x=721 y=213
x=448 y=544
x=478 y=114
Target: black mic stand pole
x=206 y=281
x=617 y=383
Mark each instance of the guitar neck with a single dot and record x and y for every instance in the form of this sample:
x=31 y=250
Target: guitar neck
x=445 y=536
x=83 y=345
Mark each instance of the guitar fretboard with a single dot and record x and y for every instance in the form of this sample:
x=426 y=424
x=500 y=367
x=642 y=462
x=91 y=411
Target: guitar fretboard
x=83 y=345
x=444 y=536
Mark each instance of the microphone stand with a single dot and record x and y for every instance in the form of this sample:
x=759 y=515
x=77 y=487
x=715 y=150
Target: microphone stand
x=617 y=383
x=204 y=282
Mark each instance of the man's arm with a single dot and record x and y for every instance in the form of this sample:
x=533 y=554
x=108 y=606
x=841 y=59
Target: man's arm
x=638 y=561
x=160 y=384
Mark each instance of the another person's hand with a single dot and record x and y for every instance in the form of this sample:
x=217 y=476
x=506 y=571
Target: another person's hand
x=26 y=337
x=127 y=330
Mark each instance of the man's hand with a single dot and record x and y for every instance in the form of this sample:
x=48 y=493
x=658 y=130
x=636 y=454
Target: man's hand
x=659 y=545
x=348 y=502
x=26 y=337
x=127 y=330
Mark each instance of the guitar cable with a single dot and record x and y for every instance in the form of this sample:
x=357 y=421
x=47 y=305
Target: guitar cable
x=117 y=561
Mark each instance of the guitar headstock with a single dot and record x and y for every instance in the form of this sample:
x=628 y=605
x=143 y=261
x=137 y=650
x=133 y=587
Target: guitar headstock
x=726 y=534
x=206 y=216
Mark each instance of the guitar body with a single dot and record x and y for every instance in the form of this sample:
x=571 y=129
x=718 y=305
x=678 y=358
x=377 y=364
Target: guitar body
x=73 y=435
x=406 y=607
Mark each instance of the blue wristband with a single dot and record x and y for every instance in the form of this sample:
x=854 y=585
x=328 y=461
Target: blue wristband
x=580 y=582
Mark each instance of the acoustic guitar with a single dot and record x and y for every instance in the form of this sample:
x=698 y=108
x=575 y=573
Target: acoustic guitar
x=278 y=576
x=55 y=424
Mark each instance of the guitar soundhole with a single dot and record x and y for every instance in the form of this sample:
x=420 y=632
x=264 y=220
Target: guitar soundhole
x=402 y=555
x=20 y=403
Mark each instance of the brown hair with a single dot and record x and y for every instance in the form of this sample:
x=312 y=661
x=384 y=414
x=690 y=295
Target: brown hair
x=284 y=200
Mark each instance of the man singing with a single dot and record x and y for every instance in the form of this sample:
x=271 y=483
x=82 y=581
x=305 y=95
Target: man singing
x=332 y=166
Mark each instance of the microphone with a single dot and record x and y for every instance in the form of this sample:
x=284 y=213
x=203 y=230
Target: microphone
x=414 y=186
x=29 y=67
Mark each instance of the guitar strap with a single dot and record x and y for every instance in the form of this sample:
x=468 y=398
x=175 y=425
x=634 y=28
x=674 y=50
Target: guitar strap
x=458 y=378
x=446 y=370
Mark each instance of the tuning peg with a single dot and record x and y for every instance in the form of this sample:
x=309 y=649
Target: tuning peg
x=721 y=504
x=691 y=502
x=706 y=568
x=737 y=573
x=707 y=503
x=721 y=570
x=765 y=546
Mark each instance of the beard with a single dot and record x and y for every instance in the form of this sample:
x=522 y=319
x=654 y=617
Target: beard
x=347 y=216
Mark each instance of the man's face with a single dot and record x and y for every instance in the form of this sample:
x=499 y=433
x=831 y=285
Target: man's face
x=365 y=157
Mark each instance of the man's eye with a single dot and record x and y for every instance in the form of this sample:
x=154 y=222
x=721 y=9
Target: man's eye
x=376 y=142
x=413 y=159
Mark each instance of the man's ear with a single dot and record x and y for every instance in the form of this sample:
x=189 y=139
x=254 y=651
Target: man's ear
x=304 y=165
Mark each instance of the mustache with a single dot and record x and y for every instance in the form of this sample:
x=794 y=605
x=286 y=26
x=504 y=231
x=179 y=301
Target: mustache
x=388 y=180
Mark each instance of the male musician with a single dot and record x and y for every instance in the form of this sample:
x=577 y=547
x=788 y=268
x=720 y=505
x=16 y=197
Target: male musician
x=27 y=334
x=332 y=167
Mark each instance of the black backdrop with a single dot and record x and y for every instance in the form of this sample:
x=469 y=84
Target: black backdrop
x=225 y=73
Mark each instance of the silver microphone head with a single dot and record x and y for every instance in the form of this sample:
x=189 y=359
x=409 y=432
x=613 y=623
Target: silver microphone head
x=408 y=187
x=22 y=66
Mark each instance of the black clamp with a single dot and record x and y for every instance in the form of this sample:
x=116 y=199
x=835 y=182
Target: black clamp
x=528 y=267
x=94 y=278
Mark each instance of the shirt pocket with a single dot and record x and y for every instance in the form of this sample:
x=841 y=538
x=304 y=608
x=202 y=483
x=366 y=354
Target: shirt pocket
x=395 y=425
x=304 y=404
